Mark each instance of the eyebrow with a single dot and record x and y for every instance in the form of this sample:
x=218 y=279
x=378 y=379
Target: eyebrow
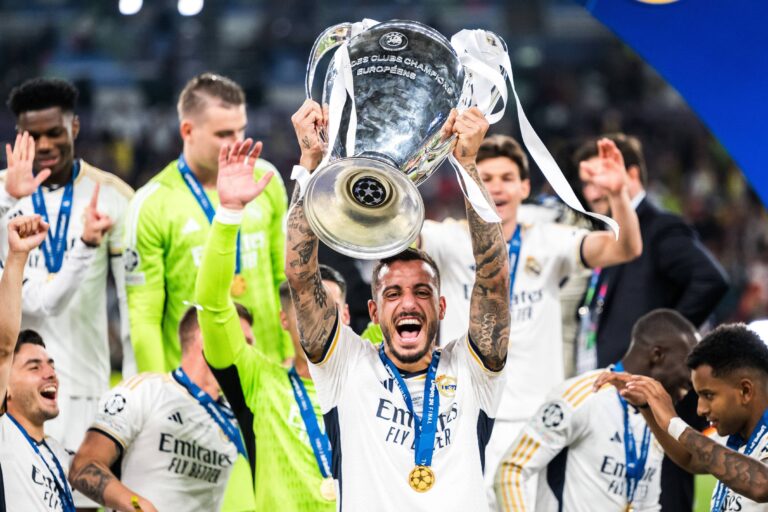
x=37 y=361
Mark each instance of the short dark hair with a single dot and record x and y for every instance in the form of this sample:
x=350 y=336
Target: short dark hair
x=410 y=254
x=504 y=146
x=42 y=93
x=328 y=273
x=189 y=323
x=630 y=146
x=660 y=323
x=211 y=85
x=28 y=337
x=729 y=348
x=285 y=295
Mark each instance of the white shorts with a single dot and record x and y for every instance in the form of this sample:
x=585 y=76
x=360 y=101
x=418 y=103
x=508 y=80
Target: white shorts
x=76 y=415
x=504 y=434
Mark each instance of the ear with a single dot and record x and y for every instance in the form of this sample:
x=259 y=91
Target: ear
x=633 y=172
x=656 y=356
x=525 y=188
x=373 y=311
x=746 y=391
x=284 y=320
x=345 y=316
x=185 y=129
x=75 y=127
x=442 y=307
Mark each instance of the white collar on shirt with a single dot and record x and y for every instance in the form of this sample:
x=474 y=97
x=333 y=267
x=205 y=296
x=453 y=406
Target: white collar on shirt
x=635 y=202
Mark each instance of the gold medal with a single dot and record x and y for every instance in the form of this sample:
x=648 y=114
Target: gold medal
x=238 y=285
x=421 y=478
x=328 y=489
x=629 y=508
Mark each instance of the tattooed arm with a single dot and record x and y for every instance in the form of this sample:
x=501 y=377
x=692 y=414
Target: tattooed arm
x=315 y=311
x=489 y=305
x=90 y=474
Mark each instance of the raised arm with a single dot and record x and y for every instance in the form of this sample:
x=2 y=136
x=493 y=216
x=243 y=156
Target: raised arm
x=489 y=304
x=601 y=248
x=24 y=234
x=315 y=311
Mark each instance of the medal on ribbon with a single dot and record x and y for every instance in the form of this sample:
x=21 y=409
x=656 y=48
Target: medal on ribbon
x=422 y=476
x=321 y=445
x=55 y=244
x=239 y=285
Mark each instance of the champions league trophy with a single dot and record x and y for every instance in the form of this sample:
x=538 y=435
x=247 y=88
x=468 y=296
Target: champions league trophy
x=389 y=89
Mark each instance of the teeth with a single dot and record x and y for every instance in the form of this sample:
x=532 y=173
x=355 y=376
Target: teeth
x=49 y=389
x=408 y=321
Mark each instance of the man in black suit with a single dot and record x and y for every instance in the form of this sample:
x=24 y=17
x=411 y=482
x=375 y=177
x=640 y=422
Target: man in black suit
x=675 y=271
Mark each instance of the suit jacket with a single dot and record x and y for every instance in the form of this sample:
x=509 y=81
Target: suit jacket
x=675 y=271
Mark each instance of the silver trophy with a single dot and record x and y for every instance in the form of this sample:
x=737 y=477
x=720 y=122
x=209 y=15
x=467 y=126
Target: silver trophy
x=389 y=96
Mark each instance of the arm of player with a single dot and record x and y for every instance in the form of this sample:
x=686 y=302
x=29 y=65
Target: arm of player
x=601 y=248
x=90 y=474
x=547 y=433
x=145 y=281
x=24 y=234
x=222 y=335
x=43 y=297
x=489 y=304
x=741 y=473
x=315 y=311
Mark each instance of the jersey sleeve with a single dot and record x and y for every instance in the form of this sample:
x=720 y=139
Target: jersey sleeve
x=568 y=247
x=278 y=199
x=123 y=410
x=559 y=422
x=487 y=384
x=331 y=372
x=145 y=277
x=434 y=238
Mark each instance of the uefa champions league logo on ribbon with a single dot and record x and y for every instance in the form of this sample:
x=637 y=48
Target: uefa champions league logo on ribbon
x=393 y=41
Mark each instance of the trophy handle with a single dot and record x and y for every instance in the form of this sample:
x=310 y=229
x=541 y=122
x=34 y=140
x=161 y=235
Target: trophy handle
x=330 y=38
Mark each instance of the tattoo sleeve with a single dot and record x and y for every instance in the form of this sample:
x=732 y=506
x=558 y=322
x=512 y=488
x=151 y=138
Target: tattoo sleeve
x=741 y=473
x=92 y=479
x=315 y=312
x=489 y=306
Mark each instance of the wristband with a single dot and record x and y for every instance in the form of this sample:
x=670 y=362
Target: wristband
x=135 y=503
x=301 y=176
x=676 y=427
x=228 y=216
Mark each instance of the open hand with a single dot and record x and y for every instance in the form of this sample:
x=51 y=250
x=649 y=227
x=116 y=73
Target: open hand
x=608 y=171
x=26 y=232
x=309 y=122
x=235 y=183
x=96 y=224
x=20 y=181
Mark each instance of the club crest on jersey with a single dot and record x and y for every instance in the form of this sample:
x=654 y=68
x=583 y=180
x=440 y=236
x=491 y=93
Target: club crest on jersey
x=115 y=404
x=131 y=259
x=552 y=415
x=446 y=385
x=532 y=266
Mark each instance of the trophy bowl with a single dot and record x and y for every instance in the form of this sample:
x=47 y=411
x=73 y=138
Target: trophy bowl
x=402 y=79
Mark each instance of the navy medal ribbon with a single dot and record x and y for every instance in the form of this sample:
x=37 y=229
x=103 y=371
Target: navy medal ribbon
x=425 y=427
x=202 y=199
x=319 y=439
x=55 y=244
x=60 y=482
x=222 y=415
x=735 y=442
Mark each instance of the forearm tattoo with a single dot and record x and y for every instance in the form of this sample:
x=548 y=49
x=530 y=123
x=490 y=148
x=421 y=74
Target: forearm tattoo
x=489 y=308
x=315 y=314
x=741 y=473
x=91 y=480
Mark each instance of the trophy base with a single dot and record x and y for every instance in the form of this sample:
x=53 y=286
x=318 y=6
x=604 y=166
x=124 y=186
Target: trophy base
x=364 y=208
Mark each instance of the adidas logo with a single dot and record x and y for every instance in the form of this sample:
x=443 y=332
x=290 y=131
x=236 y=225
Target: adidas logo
x=176 y=418
x=190 y=227
x=616 y=438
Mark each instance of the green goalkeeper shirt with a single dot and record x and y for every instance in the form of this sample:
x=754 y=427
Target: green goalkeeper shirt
x=166 y=230
x=287 y=476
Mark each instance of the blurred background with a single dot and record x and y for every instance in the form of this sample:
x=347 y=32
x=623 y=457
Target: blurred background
x=576 y=79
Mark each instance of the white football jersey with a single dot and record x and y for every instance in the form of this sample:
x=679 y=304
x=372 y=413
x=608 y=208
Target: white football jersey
x=549 y=253
x=69 y=308
x=27 y=483
x=575 y=444
x=372 y=431
x=736 y=502
x=173 y=452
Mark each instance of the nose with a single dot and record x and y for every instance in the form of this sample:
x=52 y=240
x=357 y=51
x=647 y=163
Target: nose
x=43 y=143
x=702 y=408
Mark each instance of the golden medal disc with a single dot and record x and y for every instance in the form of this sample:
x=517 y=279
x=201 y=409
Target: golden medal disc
x=238 y=285
x=630 y=508
x=421 y=478
x=328 y=489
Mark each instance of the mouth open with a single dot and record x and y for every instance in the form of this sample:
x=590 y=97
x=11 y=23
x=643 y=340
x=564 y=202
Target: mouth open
x=408 y=328
x=49 y=392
